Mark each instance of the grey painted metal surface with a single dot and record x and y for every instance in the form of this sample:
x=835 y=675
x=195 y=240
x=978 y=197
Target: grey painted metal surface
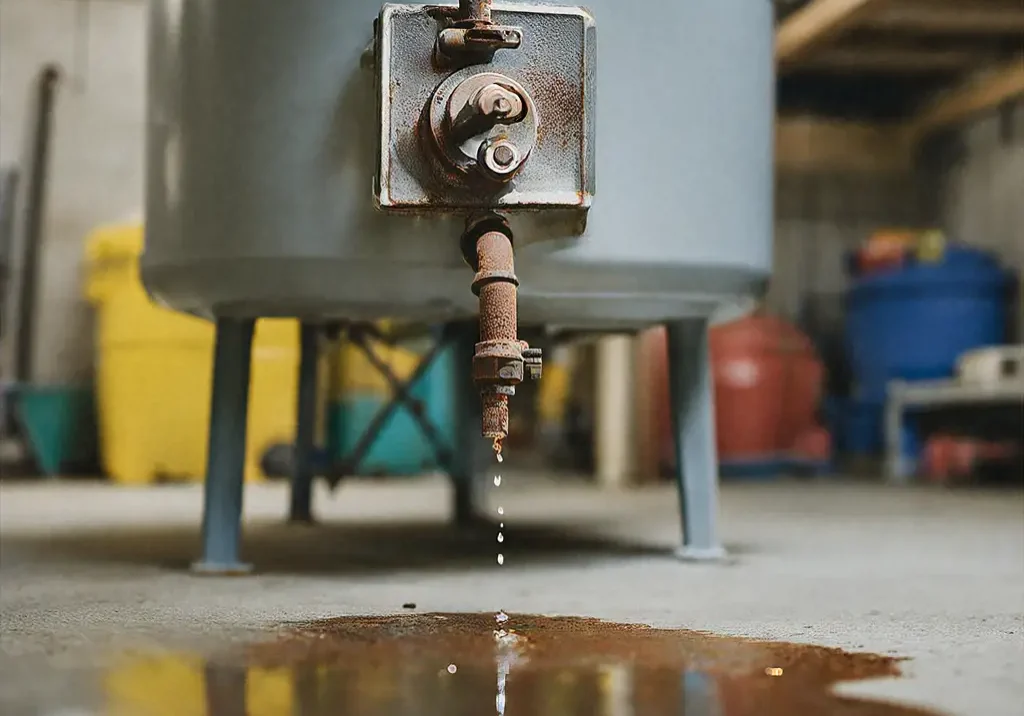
x=261 y=154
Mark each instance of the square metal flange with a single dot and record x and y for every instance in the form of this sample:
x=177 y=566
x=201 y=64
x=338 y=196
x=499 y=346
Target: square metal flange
x=555 y=63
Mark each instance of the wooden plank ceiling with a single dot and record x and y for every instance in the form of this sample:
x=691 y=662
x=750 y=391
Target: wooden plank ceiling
x=926 y=64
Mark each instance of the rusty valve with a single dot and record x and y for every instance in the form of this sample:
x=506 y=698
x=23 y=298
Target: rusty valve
x=486 y=108
x=484 y=126
x=501 y=361
x=474 y=37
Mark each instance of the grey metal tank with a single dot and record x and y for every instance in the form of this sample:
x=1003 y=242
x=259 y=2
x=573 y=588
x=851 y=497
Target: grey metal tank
x=262 y=147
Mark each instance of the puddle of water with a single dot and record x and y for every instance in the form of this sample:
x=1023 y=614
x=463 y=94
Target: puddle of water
x=446 y=665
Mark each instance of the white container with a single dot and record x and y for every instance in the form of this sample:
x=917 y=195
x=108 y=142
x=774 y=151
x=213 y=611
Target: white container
x=988 y=366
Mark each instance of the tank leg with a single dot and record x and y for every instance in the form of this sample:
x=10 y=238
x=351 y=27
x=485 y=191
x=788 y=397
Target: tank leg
x=225 y=466
x=465 y=485
x=301 y=509
x=693 y=426
x=225 y=690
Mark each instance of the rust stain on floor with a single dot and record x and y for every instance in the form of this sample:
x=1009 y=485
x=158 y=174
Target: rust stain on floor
x=450 y=664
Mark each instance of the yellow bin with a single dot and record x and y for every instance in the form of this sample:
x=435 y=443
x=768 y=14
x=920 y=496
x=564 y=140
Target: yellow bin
x=154 y=369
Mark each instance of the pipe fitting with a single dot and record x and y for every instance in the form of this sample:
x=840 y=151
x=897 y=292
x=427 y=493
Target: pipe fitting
x=501 y=361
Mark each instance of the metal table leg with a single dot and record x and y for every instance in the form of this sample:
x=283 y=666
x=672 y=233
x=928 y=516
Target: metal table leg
x=301 y=509
x=693 y=424
x=897 y=470
x=225 y=466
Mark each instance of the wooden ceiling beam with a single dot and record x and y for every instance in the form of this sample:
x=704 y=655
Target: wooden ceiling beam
x=962 y=18
x=818 y=22
x=977 y=95
x=891 y=60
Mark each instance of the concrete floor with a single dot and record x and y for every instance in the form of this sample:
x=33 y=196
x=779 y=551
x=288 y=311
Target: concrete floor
x=88 y=570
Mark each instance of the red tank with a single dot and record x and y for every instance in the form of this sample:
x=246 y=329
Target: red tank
x=768 y=382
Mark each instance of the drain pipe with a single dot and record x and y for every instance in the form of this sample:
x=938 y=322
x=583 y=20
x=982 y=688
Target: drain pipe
x=501 y=360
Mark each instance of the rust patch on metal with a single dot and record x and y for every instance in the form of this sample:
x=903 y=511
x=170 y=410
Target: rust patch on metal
x=558 y=101
x=498 y=317
x=559 y=666
x=495 y=418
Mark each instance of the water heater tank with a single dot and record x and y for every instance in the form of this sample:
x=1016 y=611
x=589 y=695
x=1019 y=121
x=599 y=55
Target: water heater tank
x=288 y=169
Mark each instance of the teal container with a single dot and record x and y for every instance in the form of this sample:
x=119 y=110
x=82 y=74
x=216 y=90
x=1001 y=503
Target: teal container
x=400 y=448
x=59 y=425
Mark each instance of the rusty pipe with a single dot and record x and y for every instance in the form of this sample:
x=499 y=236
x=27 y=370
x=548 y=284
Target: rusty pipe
x=501 y=361
x=475 y=10
x=496 y=285
x=498 y=363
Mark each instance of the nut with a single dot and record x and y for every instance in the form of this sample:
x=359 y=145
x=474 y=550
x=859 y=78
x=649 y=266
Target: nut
x=533 y=362
x=499 y=159
x=503 y=370
x=503 y=155
x=496 y=101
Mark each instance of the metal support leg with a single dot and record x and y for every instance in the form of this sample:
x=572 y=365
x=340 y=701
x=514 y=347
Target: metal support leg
x=225 y=690
x=896 y=467
x=463 y=473
x=305 y=426
x=225 y=466
x=693 y=423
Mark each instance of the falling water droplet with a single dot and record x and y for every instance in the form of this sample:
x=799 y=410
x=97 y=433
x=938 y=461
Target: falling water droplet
x=501 y=537
x=452 y=668
x=501 y=510
x=500 y=458
x=501 y=525
x=501 y=558
x=497 y=480
x=501 y=617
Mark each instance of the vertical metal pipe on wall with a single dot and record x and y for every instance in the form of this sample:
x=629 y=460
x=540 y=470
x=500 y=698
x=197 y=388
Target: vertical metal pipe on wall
x=20 y=333
x=8 y=201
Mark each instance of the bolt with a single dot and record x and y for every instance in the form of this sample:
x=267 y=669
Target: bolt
x=493 y=100
x=499 y=159
x=533 y=362
x=504 y=155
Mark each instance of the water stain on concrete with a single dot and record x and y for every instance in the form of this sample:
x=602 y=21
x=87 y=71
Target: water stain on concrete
x=452 y=665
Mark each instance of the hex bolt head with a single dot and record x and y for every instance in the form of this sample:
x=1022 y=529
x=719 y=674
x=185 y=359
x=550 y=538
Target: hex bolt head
x=504 y=155
x=497 y=101
x=499 y=159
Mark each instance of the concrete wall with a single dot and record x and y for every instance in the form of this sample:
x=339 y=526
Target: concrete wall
x=819 y=217
x=96 y=161
x=968 y=182
x=981 y=188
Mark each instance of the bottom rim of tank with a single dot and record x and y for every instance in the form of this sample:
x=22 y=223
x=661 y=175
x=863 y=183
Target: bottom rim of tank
x=591 y=296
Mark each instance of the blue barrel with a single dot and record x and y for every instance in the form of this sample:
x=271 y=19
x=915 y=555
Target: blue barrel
x=913 y=323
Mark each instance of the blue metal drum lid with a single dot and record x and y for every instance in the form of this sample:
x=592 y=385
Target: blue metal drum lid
x=961 y=268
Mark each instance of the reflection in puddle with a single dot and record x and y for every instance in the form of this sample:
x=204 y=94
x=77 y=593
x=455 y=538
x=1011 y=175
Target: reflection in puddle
x=399 y=666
